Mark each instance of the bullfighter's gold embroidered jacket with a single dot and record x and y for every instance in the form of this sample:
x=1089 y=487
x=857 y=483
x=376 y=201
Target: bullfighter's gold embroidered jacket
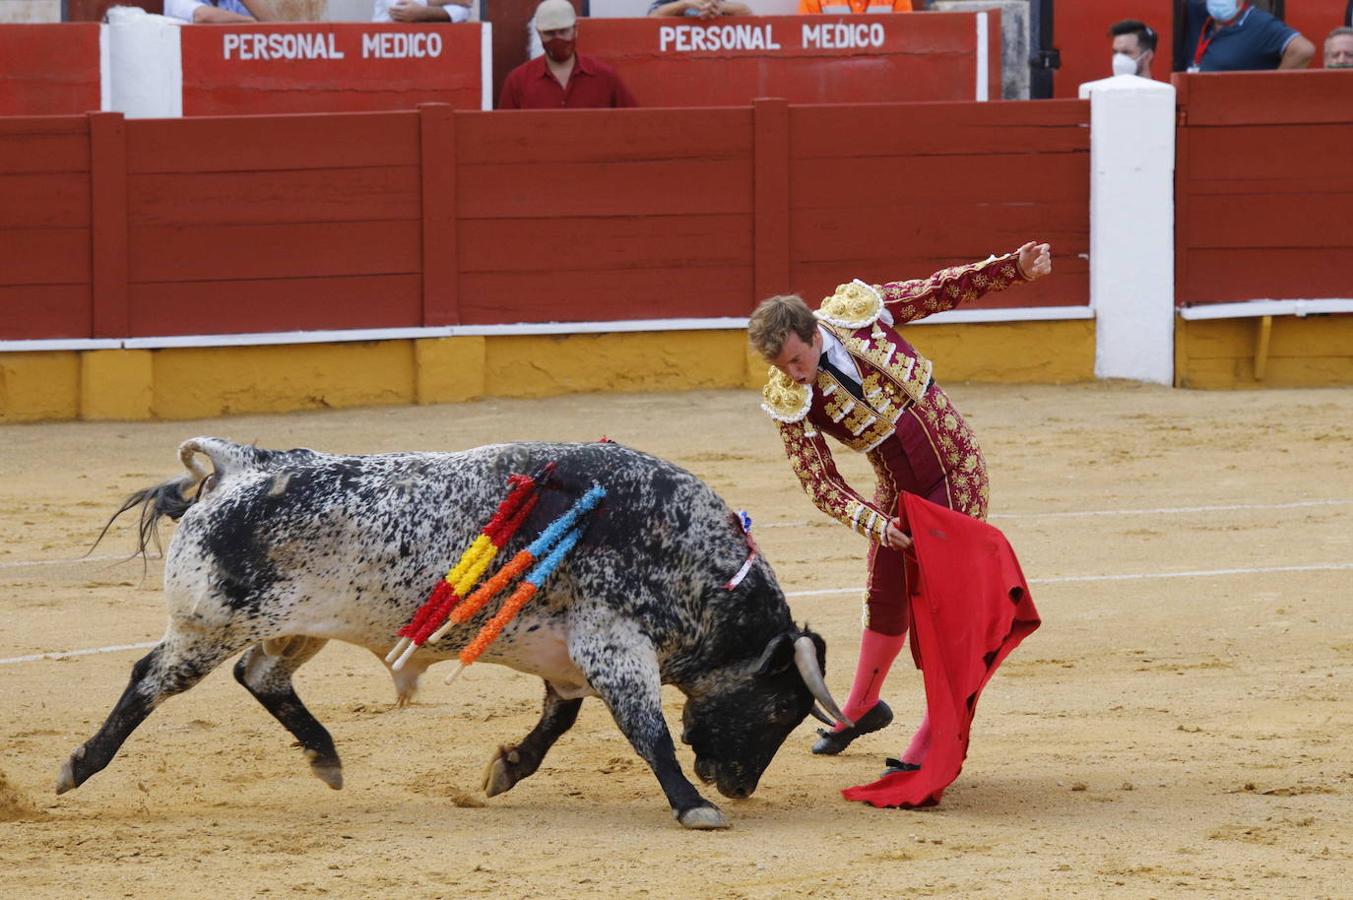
x=895 y=378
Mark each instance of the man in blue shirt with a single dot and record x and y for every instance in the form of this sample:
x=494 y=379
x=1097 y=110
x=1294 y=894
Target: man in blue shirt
x=1232 y=36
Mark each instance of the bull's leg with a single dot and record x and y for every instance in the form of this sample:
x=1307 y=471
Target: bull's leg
x=630 y=683
x=513 y=762
x=265 y=670
x=177 y=663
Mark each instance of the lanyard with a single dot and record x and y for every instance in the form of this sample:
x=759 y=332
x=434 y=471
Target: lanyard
x=1210 y=29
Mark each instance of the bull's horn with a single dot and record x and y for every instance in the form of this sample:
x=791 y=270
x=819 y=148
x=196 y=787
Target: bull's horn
x=805 y=658
x=822 y=717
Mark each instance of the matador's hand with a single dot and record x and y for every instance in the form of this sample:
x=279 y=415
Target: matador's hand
x=1035 y=260
x=895 y=538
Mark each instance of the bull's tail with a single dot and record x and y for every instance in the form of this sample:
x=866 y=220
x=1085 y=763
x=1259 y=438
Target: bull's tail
x=174 y=498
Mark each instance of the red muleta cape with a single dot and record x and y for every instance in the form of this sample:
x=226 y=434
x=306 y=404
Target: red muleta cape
x=970 y=607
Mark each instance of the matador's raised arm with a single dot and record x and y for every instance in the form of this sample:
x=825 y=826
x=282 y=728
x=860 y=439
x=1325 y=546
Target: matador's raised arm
x=947 y=288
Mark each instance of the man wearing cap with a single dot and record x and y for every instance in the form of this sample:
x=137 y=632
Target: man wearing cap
x=844 y=371
x=562 y=78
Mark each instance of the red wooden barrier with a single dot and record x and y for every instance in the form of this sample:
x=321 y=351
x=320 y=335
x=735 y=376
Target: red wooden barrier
x=430 y=217
x=888 y=192
x=49 y=70
x=805 y=59
x=251 y=69
x=274 y=223
x=1263 y=186
x=45 y=268
x=1082 y=35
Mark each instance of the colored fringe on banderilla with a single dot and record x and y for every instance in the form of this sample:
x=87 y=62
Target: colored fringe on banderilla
x=554 y=543
x=465 y=574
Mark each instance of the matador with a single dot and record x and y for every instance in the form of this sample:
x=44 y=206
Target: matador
x=844 y=371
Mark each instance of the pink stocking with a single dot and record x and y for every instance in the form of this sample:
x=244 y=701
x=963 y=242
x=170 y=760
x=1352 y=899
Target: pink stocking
x=877 y=652
x=920 y=743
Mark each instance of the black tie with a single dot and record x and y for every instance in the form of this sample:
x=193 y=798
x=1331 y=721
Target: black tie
x=847 y=382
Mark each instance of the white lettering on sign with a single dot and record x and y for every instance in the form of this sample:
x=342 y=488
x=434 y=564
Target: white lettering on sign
x=402 y=45
x=290 y=45
x=842 y=36
x=715 y=38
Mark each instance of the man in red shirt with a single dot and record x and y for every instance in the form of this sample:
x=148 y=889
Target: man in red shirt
x=562 y=78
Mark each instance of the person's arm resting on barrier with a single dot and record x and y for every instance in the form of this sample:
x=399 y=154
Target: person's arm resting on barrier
x=948 y=288
x=1297 y=54
x=432 y=11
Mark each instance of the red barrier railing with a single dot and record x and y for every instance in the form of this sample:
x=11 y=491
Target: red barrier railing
x=48 y=70
x=435 y=217
x=1263 y=186
x=805 y=59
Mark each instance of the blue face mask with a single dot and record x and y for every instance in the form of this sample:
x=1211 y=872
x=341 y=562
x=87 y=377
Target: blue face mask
x=1221 y=10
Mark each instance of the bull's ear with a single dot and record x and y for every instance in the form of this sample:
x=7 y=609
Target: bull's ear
x=778 y=656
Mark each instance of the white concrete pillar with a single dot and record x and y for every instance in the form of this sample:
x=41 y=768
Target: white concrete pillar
x=1132 y=125
x=145 y=64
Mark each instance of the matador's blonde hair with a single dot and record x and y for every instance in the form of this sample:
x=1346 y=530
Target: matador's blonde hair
x=775 y=319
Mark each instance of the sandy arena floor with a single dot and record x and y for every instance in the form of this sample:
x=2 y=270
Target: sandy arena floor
x=1178 y=727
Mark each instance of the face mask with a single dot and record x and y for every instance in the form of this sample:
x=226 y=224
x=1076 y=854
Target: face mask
x=559 y=49
x=1124 y=64
x=1221 y=10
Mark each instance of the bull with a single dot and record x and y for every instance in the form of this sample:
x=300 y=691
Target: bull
x=278 y=552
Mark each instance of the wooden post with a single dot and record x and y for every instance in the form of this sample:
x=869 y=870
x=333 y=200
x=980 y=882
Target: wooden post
x=108 y=225
x=441 y=272
x=1262 y=337
x=771 y=197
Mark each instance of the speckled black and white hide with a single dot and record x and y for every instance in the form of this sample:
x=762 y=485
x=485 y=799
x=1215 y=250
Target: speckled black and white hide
x=278 y=552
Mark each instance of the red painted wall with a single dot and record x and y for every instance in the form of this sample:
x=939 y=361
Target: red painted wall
x=45 y=266
x=274 y=223
x=223 y=74
x=1315 y=19
x=49 y=69
x=1081 y=33
x=667 y=61
x=1263 y=186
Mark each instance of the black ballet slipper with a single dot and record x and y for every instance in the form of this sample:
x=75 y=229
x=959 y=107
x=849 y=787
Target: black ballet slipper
x=831 y=743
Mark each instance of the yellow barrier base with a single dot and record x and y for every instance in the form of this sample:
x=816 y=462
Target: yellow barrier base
x=1277 y=351
x=191 y=383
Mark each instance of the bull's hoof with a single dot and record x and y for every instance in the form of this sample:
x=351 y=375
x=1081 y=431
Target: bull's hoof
x=329 y=773
x=703 y=818
x=65 y=781
x=328 y=769
x=500 y=774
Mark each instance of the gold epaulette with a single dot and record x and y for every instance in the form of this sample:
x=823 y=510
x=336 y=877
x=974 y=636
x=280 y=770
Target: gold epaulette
x=854 y=305
x=784 y=400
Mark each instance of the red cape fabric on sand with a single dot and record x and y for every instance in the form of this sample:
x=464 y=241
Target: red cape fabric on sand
x=970 y=607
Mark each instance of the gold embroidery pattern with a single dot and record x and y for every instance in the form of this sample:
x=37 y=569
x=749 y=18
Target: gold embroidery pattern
x=853 y=305
x=783 y=399
x=961 y=458
x=812 y=462
x=947 y=288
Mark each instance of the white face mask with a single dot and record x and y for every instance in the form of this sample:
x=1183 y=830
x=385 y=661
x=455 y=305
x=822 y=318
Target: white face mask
x=1221 y=10
x=1124 y=64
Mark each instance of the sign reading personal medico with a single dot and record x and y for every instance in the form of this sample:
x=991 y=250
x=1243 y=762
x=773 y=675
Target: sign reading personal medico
x=333 y=68
x=804 y=59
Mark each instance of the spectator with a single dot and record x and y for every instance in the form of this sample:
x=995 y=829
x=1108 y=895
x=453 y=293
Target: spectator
x=1339 y=48
x=1232 y=36
x=1134 y=46
x=218 y=12
x=700 y=9
x=845 y=7
x=421 y=11
x=562 y=78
